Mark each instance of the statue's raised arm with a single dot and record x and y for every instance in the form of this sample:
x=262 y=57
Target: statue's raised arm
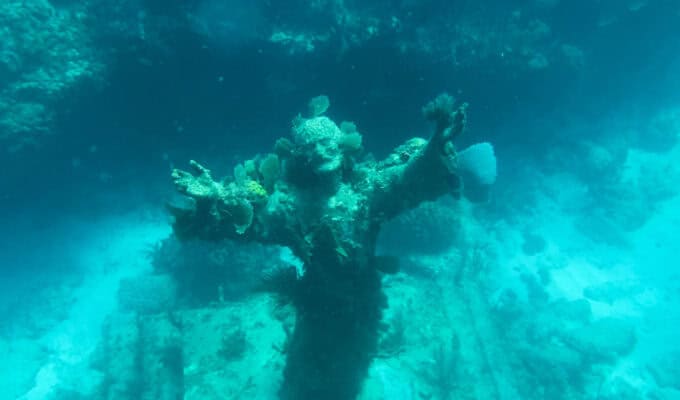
x=421 y=170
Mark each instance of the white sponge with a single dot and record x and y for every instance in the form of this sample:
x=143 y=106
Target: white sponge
x=479 y=161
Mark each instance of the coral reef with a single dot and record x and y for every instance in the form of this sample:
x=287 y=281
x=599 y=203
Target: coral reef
x=427 y=229
x=208 y=273
x=327 y=206
x=45 y=53
x=466 y=34
x=170 y=355
x=558 y=348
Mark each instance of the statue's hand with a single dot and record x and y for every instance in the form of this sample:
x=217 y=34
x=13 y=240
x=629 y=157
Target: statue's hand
x=199 y=184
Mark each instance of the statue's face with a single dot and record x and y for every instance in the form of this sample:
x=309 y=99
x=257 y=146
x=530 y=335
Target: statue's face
x=318 y=138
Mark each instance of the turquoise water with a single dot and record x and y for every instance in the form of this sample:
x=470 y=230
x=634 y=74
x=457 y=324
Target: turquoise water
x=523 y=247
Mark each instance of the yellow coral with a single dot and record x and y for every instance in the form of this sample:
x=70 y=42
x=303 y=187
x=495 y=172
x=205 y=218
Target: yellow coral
x=255 y=190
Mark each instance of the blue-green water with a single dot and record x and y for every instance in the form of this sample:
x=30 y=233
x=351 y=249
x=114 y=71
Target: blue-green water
x=335 y=264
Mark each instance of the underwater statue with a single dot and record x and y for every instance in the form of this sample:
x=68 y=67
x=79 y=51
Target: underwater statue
x=318 y=195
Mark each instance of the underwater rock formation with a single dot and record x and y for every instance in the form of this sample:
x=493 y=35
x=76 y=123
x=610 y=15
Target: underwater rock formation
x=315 y=195
x=45 y=54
